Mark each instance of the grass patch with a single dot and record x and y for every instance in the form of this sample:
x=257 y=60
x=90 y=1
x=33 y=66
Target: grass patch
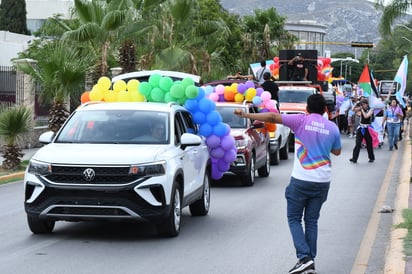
x=14 y=175
x=407 y=241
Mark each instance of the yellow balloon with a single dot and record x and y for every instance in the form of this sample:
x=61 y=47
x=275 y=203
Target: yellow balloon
x=110 y=96
x=119 y=85
x=251 y=92
x=104 y=82
x=123 y=96
x=239 y=97
x=96 y=94
x=132 y=85
x=137 y=97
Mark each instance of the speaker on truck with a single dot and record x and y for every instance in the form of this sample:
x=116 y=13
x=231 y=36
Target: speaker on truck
x=311 y=58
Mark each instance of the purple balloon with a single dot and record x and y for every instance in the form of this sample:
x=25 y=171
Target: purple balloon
x=227 y=142
x=216 y=174
x=249 y=84
x=222 y=166
x=212 y=141
x=230 y=156
x=241 y=88
x=259 y=91
x=217 y=152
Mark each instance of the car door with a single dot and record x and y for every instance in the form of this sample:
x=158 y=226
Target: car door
x=260 y=136
x=193 y=156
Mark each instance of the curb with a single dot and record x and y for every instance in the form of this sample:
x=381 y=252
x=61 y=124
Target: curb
x=12 y=176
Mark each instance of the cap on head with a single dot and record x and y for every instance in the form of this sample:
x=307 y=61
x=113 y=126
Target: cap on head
x=266 y=76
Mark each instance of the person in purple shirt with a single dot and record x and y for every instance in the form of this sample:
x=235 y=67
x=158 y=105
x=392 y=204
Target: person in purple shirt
x=315 y=139
x=393 y=117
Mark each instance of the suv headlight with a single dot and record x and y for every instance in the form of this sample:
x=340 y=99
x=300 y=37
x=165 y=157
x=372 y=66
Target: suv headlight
x=39 y=168
x=241 y=143
x=149 y=170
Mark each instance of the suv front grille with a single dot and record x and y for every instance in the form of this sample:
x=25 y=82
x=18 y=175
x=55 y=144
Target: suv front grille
x=103 y=175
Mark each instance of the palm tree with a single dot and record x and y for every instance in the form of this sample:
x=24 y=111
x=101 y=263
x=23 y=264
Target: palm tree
x=395 y=9
x=14 y=123
x=60 y=70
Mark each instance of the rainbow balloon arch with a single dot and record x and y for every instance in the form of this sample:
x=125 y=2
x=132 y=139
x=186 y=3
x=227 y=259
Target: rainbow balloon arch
x=200 y=101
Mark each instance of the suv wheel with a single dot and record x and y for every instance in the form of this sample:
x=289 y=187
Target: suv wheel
x=201 y=206
x=284 y=152
x=264 y=171
x=249 y=178
x=38 y=226
x=171 y=226
x=274 y=158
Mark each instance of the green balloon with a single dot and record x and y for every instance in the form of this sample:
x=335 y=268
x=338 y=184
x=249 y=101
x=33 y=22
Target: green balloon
x=191 y=92
x=154 y=80
x=165 y=83
x=157 y=95
x=169 y=98
x=187 y=82
x=177 y=91
x=145 y=88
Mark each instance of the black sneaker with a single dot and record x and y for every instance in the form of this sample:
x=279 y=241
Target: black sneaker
x=302 y=266
x=371 y=160
x=353 y=161
x=396 y=146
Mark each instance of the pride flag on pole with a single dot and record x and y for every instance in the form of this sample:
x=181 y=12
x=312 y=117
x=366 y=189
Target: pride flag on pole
x=400 y=77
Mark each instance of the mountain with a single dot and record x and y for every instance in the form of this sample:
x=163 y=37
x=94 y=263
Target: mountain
x=346 y=21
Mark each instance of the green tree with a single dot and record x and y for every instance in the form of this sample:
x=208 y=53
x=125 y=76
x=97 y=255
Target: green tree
x=14 y=123
x=61 y=74
x=391 y=12
x=13 y=16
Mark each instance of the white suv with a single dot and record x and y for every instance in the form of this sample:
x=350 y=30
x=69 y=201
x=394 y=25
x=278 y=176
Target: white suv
x=122 y=162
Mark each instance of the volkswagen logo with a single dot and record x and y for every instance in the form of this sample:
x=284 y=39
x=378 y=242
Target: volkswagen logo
x=89 y=174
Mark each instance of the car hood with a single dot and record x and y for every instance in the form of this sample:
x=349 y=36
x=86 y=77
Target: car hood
x=293 y=107
x=237 y=131
x=113 y=154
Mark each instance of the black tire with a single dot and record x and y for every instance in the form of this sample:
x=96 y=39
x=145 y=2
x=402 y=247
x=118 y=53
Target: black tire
x=274 y=158
x=201 y=206
x=171 y=226
x=264 y=171
x=249 y=178
x=284 y=152
x=291 y=142
x=38 y=226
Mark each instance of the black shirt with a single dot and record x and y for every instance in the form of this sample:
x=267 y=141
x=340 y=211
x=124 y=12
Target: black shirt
x=273 y=88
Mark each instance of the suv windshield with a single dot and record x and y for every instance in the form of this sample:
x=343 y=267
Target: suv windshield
x=228 y=117
x=294 y=96
x=116 y=126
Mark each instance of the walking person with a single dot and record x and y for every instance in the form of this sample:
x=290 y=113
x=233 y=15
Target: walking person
x=261 y=71
x=315 y=139
x=393 y=116
x=362 y=132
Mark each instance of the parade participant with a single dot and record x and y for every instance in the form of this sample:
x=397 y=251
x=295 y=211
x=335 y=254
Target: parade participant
x=315 y=138
x=393 y=116
x=261 y=71
x=299 y=68
x=362 y=132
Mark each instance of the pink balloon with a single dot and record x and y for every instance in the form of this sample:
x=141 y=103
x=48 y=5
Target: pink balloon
x=220 y=89
x=265 y=96
x=214 y=97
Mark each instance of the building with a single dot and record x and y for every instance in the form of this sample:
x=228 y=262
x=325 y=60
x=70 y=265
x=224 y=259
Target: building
x=311 y=35
x=39 y=10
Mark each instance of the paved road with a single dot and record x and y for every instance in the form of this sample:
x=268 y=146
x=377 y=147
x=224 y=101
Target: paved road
x=245 y=232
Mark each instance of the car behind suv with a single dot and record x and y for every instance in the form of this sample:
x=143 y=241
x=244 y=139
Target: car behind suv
x=119 y=162
x=252 y=143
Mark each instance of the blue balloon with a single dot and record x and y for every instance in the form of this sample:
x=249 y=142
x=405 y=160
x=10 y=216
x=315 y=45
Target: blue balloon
x=199 y=118
x=221 y=129
x=191 y=105
x=200 y=94
x=205 y=129
x=206 y=105
x=213 y=117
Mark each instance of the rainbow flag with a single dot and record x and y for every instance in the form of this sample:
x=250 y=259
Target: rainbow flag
x=400 y=77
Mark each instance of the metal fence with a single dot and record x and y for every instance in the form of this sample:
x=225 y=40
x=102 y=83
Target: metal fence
x=8 y=93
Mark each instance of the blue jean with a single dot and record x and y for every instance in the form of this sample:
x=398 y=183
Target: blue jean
x=393 y=133
x=305 y=199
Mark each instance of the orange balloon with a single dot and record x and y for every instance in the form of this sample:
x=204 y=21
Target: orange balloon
x=270 y=126
x=85 y=97
x=229 y=95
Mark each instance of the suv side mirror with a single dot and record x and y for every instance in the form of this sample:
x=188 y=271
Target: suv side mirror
x=189 y=139
x=258 y=124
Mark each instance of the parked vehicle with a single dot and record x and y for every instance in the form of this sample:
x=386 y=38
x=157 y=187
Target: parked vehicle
x=252 y=142
x=110 y=162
